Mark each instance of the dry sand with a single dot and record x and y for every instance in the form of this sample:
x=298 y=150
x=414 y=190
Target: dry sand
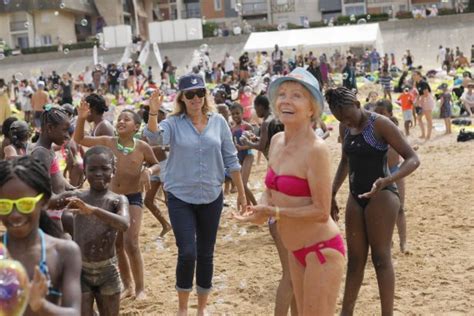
x=437 y=278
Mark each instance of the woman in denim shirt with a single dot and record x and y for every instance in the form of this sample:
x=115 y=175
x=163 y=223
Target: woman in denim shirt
x=201 y=149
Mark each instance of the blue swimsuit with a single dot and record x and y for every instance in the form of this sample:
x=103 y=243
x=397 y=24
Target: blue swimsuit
x=42 y=264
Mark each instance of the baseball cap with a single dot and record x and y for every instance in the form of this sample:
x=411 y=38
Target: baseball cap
x=303 y=77
x=191 y=82
x=40 y=83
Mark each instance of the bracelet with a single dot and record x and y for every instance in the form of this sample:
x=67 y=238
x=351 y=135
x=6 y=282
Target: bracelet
x=153 y=114
x=277 y=213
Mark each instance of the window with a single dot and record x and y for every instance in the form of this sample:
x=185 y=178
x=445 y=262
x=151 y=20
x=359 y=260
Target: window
x=356 y=10
x=217 y=5
x=281 y=2
x=193 y=10
x=46 y=40
x=386 y=9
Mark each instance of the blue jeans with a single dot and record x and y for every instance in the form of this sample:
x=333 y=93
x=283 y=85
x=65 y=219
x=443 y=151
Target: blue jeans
x=195 y=229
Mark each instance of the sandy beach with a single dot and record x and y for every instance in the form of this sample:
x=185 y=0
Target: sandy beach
x=436 y=278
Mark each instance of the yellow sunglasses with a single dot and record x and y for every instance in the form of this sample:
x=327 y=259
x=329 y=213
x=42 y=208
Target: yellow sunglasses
x=24 y=205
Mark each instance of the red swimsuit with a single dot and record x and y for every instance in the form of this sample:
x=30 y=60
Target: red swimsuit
x=295 y=186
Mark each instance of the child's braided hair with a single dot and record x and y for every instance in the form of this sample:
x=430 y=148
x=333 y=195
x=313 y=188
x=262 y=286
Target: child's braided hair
x=339 y=98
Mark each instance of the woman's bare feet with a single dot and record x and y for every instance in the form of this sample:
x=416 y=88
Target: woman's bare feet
x=140 y=296
x=202 y=312
x=182 y=312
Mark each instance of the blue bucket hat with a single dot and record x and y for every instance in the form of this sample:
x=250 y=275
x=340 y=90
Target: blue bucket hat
x=191 y=82
x=303 y=77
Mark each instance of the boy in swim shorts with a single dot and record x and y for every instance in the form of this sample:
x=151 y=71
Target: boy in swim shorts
x=98 y=216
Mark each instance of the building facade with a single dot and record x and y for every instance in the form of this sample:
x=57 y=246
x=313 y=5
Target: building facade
x=28 y=23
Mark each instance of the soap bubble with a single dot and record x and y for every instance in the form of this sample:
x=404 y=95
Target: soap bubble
x=368 y=17
x=14 y=285
x=27 y=24
x=353 y=18
x=84 y=22
x=62 y=5
x=243 y=231
x=6 y=2
x=19 y=76
x=345 y=76
x=362 y=21
x=66 y=51
x=204 y=48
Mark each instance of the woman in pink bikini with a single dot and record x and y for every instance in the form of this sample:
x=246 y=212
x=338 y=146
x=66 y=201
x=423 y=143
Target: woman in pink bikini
x=298 y=196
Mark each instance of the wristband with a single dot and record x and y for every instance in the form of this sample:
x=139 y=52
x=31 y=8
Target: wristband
x=152 y=114
x=277 y=213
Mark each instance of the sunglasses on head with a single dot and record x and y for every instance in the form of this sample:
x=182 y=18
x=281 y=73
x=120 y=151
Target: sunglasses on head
x=190 y=94
x=24 y=205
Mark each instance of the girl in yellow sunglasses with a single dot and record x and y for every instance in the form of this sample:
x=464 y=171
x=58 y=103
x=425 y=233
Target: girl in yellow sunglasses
x=53 y=265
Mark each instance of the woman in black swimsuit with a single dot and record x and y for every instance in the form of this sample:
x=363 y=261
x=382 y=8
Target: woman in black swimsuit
x=373 y=202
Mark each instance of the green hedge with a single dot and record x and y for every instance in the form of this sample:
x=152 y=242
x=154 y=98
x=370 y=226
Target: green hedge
x=265 y=28
x=444 y=11
x=54 y=48
x=346 y=19
x=209 y=28
x=404 y=15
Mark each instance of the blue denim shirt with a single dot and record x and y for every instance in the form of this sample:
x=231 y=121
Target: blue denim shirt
x=197 y=161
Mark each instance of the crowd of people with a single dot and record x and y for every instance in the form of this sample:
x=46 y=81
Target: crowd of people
x=85 y=238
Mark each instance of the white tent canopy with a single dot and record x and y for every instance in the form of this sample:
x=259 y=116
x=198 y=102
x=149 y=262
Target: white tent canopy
x=323 y=37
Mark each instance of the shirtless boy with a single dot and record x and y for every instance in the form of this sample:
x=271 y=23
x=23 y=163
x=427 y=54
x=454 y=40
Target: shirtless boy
x=131 y=179
x=99 y=214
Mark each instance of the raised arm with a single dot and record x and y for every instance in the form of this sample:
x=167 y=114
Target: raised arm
x=155 y=102
x=79 y=136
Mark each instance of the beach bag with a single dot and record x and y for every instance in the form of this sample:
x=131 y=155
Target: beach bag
x=465 y=136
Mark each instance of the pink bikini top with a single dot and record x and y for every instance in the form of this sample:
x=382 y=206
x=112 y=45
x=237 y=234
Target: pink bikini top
x=289 y=185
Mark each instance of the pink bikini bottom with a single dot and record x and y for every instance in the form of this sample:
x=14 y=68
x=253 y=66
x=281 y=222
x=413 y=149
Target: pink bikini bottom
x=336 y=243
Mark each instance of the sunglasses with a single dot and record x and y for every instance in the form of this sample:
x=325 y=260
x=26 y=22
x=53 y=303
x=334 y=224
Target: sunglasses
x=24 y=205
x=190 y=94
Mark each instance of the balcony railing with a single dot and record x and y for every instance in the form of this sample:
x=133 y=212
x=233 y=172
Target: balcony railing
x=252 y=8
x=289 y=6
x=17 y=26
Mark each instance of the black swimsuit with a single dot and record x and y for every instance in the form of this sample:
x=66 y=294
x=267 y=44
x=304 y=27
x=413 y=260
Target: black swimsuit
x=367 y=161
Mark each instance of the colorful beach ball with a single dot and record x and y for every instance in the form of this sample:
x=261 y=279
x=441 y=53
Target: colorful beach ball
x=14 y=286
